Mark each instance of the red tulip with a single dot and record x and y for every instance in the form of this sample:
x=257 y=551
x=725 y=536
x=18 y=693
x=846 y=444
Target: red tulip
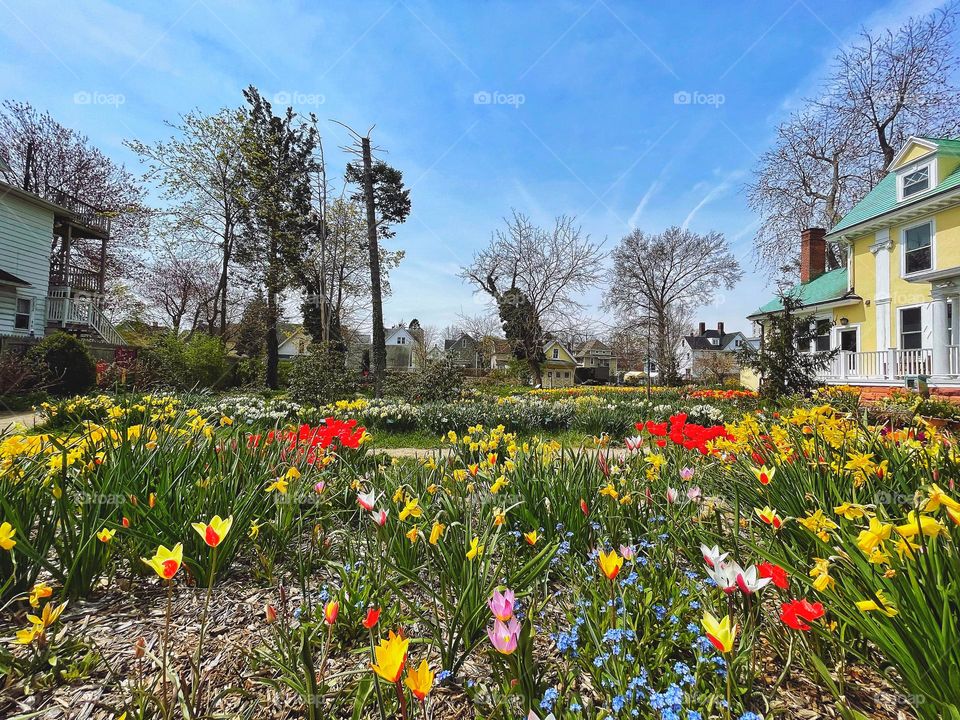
x=373 y=616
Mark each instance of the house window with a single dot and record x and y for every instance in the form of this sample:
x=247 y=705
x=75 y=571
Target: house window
x=911 y=329
x=915 y=182
x=556 y=354
x=401 y=340
x=917 y=247
x=566 y=375
x=821 y=342
x=21 y=320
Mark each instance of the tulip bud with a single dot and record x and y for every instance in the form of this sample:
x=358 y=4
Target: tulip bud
x=271 y=613
x=139 y=647
x=330 y=612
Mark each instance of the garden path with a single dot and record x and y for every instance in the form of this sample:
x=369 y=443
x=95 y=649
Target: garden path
x=26 y=418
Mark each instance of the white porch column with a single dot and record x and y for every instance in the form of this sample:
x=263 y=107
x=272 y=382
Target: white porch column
x=938 y=313
x=955 y=320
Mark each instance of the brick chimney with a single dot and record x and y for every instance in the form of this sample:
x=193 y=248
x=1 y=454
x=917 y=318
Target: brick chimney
x=813 y=254
x=703 y=329
x=720 y=328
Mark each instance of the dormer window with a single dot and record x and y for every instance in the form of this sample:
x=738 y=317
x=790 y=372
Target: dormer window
x=714 y=341
x=915 y=180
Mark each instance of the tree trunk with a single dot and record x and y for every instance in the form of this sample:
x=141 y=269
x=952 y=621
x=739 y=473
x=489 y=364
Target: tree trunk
x=379 y=336
x=535 y=372
x=273 y=316
x=272 y=341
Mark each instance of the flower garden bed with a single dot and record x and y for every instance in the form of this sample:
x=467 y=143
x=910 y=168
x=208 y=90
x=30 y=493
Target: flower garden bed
x=163 y=557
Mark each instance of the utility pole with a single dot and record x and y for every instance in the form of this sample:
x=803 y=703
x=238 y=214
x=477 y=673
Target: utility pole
x=379 y=354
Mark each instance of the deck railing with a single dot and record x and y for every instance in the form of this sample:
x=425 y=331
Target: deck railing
x=82 y=311
x=76 y=279
x=890 y=364
x=82 y=211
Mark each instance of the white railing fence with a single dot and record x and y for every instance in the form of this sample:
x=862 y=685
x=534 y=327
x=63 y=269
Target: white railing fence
x=82 y=311
x=885 y=364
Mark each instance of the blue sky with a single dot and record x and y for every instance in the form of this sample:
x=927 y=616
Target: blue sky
x=548 y=107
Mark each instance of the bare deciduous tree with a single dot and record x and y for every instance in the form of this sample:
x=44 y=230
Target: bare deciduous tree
x=829 y=154
x=660 y=278
x=536 y=277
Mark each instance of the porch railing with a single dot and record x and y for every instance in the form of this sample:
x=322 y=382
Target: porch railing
x=81 y=211
x=76 y=279
x=81 y=311
x=885 y=364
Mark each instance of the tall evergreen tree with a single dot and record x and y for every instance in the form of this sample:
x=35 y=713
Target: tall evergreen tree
x=275 y=207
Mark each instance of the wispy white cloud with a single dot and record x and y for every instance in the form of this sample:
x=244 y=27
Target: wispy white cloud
x=638 y=212
x=725 y=183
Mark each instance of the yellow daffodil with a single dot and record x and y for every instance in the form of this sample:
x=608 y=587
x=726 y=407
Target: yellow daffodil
x=254 y=532
x=476 y=549
x=498 y=485
x=868 y=540
x=917 y=524
x=411 y=509
x=7 y=532
x=819 y=524
x=936 y=498
x=436 y=532
x=412 y=534
x=610 y=491
x=850 y=511
x=279 y=485
x=821 y=572
x=499 y=516
x=880 y=604
x=39 y=591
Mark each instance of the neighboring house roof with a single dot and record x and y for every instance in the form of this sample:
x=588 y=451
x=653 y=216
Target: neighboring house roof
x=11 y=279
x=593 y=345
x=453 y=342
x=549 y=344
x=829 y=287
x=883 y=198
x=702 y=342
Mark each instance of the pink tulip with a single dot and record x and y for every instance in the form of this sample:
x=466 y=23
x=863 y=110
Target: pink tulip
x=712 y=555
x=633 y=443
x=749 y=581
x=725 y=576
x=627 y=552
x=501 y=605
x=367 y=500
x=693 y=494
x=319 y=487
x=672 y=495
x=503 y=637
x=686 y=473
x=380 y=517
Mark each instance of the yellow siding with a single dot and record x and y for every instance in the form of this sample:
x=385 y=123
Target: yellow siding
x=864 y=285
x=948 y=238
x=914 y=153
x=946 y=164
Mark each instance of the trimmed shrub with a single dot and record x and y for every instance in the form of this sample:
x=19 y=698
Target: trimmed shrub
x=200 y=362
x=321 y=377
x=70 y=368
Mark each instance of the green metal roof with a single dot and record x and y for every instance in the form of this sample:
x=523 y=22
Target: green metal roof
x=883 y=198
x=830 y=286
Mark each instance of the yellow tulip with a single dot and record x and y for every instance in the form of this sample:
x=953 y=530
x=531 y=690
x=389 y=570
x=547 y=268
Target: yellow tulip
x=610 y=563
x=719 y=633
x=420 y=681
x=390 y=655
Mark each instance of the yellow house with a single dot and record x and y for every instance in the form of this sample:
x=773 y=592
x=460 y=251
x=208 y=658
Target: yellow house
x=560 y=366
x=893 y=310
